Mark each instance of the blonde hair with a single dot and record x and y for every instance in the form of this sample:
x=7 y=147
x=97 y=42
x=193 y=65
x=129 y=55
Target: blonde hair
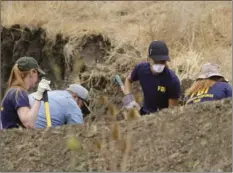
x=17 y=77
x=199 y=85
x=16 y=80
x=203 y=84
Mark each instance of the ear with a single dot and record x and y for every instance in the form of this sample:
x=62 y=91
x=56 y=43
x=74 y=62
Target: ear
x=75 y=97
x=150 y=61
x=33 y=71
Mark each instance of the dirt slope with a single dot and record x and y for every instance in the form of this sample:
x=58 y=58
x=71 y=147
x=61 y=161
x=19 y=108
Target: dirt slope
x=181 y=139
x=57 y=57
x=72 y=47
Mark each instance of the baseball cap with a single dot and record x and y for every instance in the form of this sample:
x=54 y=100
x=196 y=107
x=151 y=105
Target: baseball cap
x=158 y=51
x=210 y=69
x=28 y=63
x=83 y=94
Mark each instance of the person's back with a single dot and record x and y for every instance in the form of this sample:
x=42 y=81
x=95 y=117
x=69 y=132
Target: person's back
x=218 y=91
x=210 y=85
x=63 y=110
x=15 y=98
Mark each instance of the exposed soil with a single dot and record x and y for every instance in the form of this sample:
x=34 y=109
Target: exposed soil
x=18 y=41
x=63 y=60
x=67 y=60
x=192 y=138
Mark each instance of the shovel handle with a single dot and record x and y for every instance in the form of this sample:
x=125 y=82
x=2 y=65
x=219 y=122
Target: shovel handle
x=47 y=111
x=119 y=82
x=45 y=96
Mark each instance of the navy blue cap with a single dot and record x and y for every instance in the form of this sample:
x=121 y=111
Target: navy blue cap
x=158 y=51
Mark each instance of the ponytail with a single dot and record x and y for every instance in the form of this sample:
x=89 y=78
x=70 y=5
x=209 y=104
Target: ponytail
x=16 y=80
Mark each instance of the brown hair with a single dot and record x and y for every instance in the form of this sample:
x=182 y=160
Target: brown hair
x=16 y=78
x=16 y=81
x=202 y=84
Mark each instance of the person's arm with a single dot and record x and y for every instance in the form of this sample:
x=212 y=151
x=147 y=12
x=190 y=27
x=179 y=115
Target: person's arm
x=128 y=85
x=129 y=80
x=28 y=116
x=25 y=113
x=173 y=102
x=174 y=92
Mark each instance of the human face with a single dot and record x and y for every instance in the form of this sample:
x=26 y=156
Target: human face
x=78 y=100
x=157 y=66
x=81 y=103
x=152 y=62
x=33 y=78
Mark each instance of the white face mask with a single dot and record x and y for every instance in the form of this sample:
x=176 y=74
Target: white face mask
x=158 y=68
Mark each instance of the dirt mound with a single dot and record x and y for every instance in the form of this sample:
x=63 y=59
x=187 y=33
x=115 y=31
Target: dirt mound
x=84 y=59
x=18 y=41
x=62 y=58
x=193 y=138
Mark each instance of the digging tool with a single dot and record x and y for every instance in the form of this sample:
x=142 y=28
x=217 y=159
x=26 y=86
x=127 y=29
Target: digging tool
x=120 y=83
x=47 y=110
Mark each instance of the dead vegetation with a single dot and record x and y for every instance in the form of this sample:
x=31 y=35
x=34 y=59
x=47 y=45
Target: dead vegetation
x=196 y=32
x=88 y=42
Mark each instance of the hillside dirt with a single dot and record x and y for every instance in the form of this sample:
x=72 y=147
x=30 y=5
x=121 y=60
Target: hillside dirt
x=18 y=41
x=189 y=139
x=58 y=59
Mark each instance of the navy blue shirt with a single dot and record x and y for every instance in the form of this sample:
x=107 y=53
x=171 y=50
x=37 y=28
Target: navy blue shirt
x=157 y=89
x=14 y=99
x=218 y=91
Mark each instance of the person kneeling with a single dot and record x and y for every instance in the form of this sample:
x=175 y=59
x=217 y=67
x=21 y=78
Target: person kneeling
x=210 y=85
x=66 y=106
x=16 y=112
x=160 y=85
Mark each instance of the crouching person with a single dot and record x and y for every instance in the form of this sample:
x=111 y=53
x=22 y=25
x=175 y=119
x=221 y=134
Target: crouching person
x=160 y=85
x=210 y=85
x=16 y=111
x=66 y=106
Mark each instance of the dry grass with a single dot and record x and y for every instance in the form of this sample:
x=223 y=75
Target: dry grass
x=196 y=32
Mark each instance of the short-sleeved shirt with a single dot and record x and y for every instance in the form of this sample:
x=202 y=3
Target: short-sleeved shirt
x=14 y=99
x=218 y=91
x=157 y=89
x=63 y=109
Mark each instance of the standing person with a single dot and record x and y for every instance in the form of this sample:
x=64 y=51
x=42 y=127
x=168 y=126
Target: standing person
x=210 y=85
x=66 y=106
x=16 y=111
x=160 y=85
